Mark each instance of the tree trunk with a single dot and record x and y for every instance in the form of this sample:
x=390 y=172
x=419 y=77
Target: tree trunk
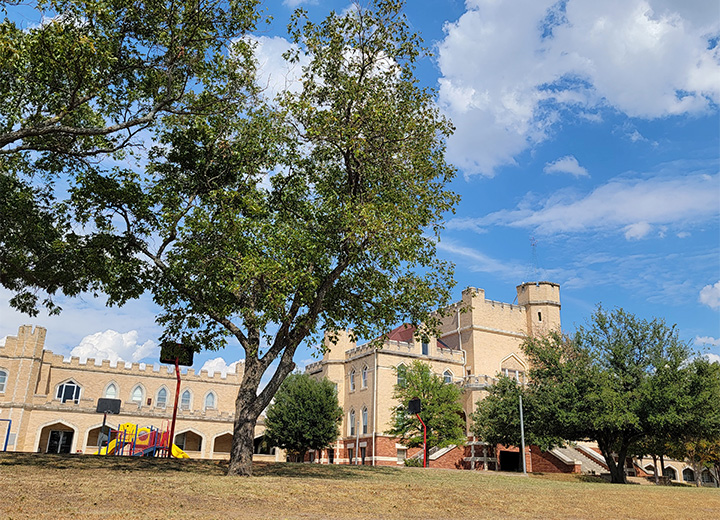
x=655 y=469
x=617 y=470
x=243 y=444
x=662 y=464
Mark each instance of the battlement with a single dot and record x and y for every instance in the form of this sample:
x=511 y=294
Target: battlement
x=30 y=343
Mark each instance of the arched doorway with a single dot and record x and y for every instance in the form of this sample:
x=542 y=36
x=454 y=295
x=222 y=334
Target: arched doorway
x=222 y=444
x=189 y=441
x=56 y=438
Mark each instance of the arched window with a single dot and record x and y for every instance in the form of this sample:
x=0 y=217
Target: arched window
x=185 y=400
x=364 y=421
x=351 y=420
x=161 y=401
x=210 y=401
x=137 y=395
x=364 y=376
x=111 y=391
x=401 y=374
x=448 y=377
x=352 y=380
x=688 y=475
x=670 y=473
x=68 y=391
x=3 y=380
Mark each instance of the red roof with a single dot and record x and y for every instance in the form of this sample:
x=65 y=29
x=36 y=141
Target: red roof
x=404 y=333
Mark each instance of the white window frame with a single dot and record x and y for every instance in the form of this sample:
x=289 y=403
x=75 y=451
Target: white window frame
x=363 y=376
x=134 y=391
x=351 y=422
x=214 y=401
x=157 y=397
x=400 y=377
x=182 y=400
x=60 y=392
x=364 y=419
x=352 y=380
x=4 y=376
x=448 y=376
x=110 y=385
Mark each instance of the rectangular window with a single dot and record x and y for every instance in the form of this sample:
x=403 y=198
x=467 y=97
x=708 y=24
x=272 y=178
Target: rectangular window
x=425 y=348
x=362 y=455
x=401 y=455
x=351 y=459
x=3 y=381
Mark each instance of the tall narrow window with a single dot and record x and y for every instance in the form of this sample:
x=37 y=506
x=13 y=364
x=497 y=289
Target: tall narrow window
x=364 y=421
x=161 y=401
x=111 y=391
x=364 y=377
x=425 y=348
x=3 y=380
x=401 y=374
x=137 y=394
x=185 y=400
x=352 y=380
x=210 y=401
x=351 y=420
x=69 y=391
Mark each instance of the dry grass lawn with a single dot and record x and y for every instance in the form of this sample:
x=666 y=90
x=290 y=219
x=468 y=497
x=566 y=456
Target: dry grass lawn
x=86 y=487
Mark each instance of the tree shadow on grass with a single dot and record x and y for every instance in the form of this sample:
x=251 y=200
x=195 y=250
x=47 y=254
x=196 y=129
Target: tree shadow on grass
x=80 y=462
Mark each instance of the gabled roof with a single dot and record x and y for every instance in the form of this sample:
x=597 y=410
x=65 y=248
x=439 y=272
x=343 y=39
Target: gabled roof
x=403 y=333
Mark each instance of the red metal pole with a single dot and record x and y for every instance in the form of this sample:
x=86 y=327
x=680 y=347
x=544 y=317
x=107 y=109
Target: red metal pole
x=424 y=441
x=171 y=440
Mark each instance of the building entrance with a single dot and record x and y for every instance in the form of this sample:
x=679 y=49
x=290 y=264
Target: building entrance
x=59 y=441
x=510 y=461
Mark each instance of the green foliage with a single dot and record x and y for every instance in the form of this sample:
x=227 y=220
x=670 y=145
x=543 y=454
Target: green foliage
x=496 y=419
x=618 y=381
x=441 y=412
x=413 y=463
x=91 y=82
x=266 y=220
x=304 y=415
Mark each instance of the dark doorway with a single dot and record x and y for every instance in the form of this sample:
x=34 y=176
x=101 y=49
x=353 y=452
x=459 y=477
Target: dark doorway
x=510 y=461
x=331 y=456
x=59 y=441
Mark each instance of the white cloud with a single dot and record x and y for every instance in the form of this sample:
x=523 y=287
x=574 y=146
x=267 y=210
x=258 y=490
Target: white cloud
x=714 y=358
x=115 y=346
x=637 y=231
x=568 y=164
x=683 y=234
x=220 y=365
x=710 y=296
x=509 y=69
x=275 y=74
x=634 y=206
x=2 y=341
x=707 y=340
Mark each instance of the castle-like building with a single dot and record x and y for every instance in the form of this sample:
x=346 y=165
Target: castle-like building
x=479 y=339
x=48 y=403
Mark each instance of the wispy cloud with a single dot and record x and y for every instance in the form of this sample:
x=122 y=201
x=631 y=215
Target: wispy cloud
x=631 y=206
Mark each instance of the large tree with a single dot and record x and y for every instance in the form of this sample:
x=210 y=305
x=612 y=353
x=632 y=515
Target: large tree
x=304 y=415
x=87 y=81
x=273 y=221
x=617 y=381
x=441 y=412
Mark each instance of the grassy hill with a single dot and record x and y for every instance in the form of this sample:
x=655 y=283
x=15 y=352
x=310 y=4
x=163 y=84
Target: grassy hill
x=87 y=487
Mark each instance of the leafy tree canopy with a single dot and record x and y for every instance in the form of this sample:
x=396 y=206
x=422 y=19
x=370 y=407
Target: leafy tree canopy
x=91 y=81
x=617 y=381
x=442 y=410
x=304 y=415
x=270 y=220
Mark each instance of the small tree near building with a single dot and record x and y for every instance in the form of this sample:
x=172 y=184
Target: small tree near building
x=441 y=409
x=305 y=415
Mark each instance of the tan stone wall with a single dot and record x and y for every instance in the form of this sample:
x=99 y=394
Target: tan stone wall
x=30 y=400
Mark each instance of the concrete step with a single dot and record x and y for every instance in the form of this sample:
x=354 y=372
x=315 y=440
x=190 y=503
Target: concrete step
x=587 y=465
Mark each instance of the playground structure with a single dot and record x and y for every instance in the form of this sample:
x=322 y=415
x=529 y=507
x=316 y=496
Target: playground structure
x=131 y=440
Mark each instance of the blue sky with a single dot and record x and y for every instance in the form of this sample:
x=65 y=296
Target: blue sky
x=589 y=129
